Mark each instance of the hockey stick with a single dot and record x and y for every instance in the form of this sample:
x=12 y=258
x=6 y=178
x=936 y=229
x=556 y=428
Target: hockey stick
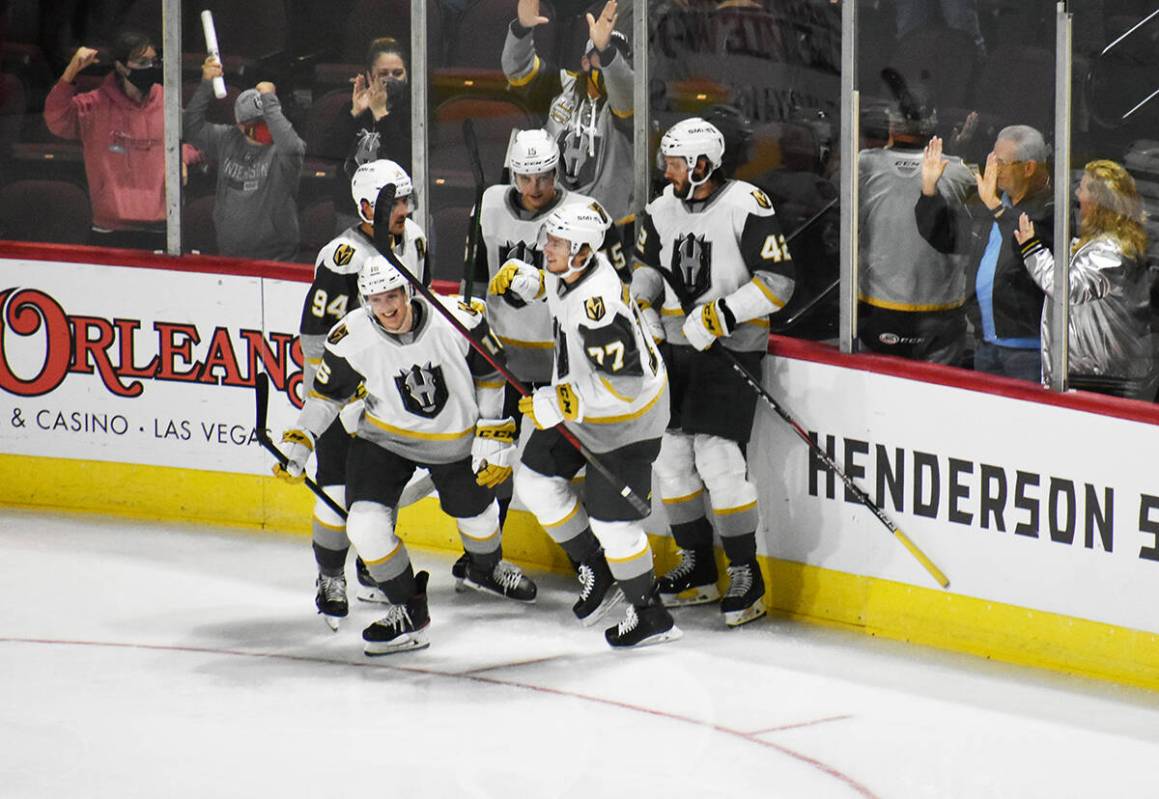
x=755 y=384
x=262 y=398
x=382 y=209
x=471 y=142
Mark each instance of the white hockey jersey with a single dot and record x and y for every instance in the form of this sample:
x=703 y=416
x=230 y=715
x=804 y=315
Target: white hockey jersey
x=509 y=232
x=604 y=353
x=334 y=292
x=420 y=386
x=709 y=249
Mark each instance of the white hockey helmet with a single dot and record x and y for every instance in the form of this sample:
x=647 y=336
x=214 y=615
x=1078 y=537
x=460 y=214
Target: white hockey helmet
x=690 y=139
x=533 y=152
x=379 y=275
x=578 y=225
x=369 y=179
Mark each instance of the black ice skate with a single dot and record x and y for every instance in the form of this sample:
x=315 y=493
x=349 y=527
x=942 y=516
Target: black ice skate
x=692 y=581
x=598 y=590
x=644 y=626
x=742 y=601
x=404 y=627
x=368 y=590
x=331 y=598
x=505 y=579
x=459 y=571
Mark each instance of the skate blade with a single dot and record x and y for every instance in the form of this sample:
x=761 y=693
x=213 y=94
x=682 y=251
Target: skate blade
x=736 y=618
x=482 y=589
x=673 y=633
x=410 y=642
x=697 y=595
x=375 y=595
x=610 y=603
x=460 y=585
x=333 y=622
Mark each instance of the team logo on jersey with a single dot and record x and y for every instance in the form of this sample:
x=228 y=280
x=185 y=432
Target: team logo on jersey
x=343 y=255
x=595 y=308
x=762 y=199
x=337 y=334
x=521 y=251
x=692 y=266
x=423 y=390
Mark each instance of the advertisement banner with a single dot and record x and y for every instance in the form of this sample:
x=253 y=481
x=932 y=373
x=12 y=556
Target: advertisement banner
x=1018 y=502
x=144 y=366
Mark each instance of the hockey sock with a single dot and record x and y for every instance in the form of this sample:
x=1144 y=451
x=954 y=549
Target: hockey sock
x=504 y=505
x=695 y=535
x=740 y=548
x=582 y=546
x=331 y=562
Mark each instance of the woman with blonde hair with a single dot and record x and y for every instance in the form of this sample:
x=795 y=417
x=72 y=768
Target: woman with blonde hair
x=1110 y=347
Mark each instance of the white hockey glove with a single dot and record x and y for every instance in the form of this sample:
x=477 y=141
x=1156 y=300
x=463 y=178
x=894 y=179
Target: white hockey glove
x=493 y=450
x=652 y=322
x=518 y=278
x=301 y=445
x=549 y=405
x=708 y=322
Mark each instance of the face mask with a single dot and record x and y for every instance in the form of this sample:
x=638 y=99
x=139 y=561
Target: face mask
x=143 y=79
x=397 y=90
x=260 y=132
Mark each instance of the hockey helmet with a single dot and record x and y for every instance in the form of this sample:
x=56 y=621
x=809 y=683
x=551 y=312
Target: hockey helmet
x=379 y=275
x=369 y=179
x=533 y=152
x=691 y=139
x=578 y=225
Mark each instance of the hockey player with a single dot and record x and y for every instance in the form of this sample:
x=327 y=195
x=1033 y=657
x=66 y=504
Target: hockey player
x=590 y=109
x=610 y=386
x=430 y=402
x=332 y=295
x=510 y=217
x=712 y=264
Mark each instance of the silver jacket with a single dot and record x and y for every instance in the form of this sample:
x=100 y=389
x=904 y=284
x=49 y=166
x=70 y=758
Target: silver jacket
x=1109 y=314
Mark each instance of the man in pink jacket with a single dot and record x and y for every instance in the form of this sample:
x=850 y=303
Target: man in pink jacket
x=121 y=127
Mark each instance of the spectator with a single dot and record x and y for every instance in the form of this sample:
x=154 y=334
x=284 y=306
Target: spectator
x=259 y=164
x=120 y=125
x=1109 y=335
x=1006 y=304
x=957 y=14
x=590 y=111
x=911 y=295
x=378 y=126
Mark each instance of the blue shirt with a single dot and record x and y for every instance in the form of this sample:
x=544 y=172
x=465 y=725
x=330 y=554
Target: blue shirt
x=984 y=287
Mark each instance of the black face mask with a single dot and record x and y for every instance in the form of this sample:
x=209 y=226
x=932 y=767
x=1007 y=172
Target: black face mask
x=143 y=79
x=397 y=90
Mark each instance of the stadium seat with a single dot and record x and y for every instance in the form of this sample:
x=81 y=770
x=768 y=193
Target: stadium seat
x=45 y=210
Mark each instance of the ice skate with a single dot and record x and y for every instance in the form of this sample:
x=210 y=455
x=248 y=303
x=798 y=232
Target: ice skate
x=368 y=590
x=644 y=626
x=742 y=602
x=403 y=628
x=598 y=590
x=505 y=579
x=692 y=581
x=459 y=572
x=331 y=599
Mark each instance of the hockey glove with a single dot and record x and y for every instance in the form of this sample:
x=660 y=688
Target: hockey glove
x=518 y=280
x=301 y=445
x=493 y=450
x=652 y=322
x=550 y=405
x=706 y=323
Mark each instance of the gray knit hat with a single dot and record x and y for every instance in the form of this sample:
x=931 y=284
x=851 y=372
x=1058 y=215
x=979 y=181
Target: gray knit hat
x=248 y=106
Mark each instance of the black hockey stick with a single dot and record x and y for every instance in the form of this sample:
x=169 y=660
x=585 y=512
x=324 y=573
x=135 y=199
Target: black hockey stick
x=382 y=210
x=261 y=399
x=475 y=233
x=755 y=384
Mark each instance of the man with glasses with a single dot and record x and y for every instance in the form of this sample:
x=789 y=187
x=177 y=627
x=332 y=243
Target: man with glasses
x=1006 y=304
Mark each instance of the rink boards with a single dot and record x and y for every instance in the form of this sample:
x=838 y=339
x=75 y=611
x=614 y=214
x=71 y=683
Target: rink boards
x=127 y=388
